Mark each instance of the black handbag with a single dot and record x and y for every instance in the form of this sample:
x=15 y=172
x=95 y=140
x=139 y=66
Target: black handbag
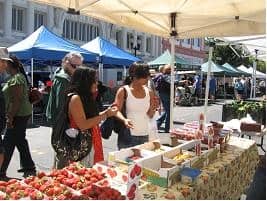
x=72 y=149
x=113 y=123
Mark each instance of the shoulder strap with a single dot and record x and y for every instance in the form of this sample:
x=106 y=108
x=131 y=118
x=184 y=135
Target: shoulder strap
x=67 y=101
x=125 y=95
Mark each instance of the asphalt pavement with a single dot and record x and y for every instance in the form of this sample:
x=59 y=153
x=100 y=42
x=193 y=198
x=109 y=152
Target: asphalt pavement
x=42 y=152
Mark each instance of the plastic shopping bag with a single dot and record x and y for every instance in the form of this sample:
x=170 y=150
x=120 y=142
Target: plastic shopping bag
x=153 y=129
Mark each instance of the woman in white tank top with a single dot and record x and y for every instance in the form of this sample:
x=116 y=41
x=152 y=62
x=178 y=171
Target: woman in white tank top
x=140 y=107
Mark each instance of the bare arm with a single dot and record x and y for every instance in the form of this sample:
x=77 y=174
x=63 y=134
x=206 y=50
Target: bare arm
x=153 y=105
x=77 y=112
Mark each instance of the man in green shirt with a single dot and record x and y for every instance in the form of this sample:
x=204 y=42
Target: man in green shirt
x=60 y=84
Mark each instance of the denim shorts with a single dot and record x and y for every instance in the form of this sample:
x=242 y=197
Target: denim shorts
x=127 y=140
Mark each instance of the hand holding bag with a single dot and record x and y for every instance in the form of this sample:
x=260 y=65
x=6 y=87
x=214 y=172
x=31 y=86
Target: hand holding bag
x=113 y=123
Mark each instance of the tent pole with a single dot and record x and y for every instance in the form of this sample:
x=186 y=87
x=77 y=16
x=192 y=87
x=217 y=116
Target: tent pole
x=124 y=72
x=172 y=81
x=251 y=88
x=224 y=91
x=173 y=34
x=254 y=74
x=207 y=84
x=99 y=72
x=102 y=72
x=32 y=83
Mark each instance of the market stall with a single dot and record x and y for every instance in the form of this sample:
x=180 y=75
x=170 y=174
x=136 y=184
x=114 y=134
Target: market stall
x=199 y=161
x=226 y=178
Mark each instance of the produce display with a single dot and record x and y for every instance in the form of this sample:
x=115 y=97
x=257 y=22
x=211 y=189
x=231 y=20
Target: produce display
x=181 y=157
x=73 y=182
x=150 y=170
x=226 y=178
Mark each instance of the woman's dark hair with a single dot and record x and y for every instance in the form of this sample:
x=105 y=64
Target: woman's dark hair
x=137 y=71
x=81 y=83
x=16 y=64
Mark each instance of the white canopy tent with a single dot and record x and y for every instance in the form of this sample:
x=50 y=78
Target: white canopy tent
x=256 y=46
x=176 y=19
x=249 y=70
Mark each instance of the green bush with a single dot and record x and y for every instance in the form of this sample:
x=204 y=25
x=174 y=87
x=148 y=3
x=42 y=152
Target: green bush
x=240 y=109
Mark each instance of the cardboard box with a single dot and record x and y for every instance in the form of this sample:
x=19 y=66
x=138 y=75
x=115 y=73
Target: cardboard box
x=123 y=155
x=169 y=155
x=125 y=180
x=160 y=172
x=154 y=146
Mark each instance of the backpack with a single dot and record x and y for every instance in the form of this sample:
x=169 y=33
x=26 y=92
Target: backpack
x=113 y=123
x=35 y=96
x=239 y=86
x=157 y=81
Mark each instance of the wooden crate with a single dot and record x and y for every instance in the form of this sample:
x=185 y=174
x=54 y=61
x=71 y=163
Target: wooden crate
x=254 y=127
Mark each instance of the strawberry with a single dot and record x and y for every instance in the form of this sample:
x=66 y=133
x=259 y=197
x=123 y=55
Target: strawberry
x=8 y=190
x=3 y=183
x=74 y=186
x=61 y=197
x=41 y=174
x=35 y=195
x=125 y=178
x=3 y=188
x=50 y=192
x=14 y=196
x=133 y=188
x=81 y=171
x=3 y=197
x=99 y=169
x=137 y=170
x=132 y=174
x=37 y=186
x=57 y=190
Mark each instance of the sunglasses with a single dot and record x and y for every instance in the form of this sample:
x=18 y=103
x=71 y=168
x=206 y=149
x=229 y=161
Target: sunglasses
x=73 y=65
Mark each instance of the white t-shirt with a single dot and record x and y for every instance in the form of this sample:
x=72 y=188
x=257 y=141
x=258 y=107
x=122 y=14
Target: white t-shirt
x=136 y=110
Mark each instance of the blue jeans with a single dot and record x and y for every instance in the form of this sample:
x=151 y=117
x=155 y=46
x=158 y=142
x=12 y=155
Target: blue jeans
x=165 y=116
x=126 y=140
x=16 y=137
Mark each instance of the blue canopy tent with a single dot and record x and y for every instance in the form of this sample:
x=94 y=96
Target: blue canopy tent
x=109 y=53
x=47 y=46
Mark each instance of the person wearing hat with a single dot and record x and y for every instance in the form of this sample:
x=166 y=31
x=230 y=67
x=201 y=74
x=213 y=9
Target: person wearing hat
x=18 y=111
x=4 y=57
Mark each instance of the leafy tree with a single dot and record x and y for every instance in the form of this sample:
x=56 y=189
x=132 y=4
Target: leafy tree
x=224 y=54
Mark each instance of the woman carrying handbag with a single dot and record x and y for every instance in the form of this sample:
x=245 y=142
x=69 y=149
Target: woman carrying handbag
x=81 y=139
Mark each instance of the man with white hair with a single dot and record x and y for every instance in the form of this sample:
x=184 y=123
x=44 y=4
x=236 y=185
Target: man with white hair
x=60 y=83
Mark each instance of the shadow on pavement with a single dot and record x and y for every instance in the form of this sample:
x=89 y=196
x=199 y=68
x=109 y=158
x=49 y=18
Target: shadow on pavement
x=257 y=189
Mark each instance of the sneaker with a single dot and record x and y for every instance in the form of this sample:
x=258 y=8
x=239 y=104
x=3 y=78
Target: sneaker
x=26 y=169
x=28 y=173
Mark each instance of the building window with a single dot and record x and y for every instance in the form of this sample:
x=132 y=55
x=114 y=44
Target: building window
x=119 y=76
x=118 y=39
x=79 y=31
x=192 y=41
x=1 y=16
x=199 y=42
x=188 y=41
x=39 y=19
x=129 y=38
x=18 y=15
x=148 y=45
